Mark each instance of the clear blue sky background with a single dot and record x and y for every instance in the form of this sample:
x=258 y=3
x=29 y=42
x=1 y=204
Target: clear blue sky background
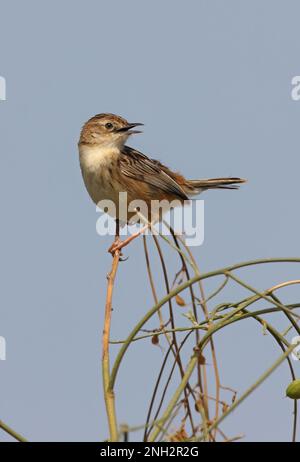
x=211 y=80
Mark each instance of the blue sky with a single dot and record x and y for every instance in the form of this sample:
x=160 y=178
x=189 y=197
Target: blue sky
x=211 y=80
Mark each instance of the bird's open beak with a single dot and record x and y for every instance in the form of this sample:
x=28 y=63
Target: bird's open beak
x=128 y=128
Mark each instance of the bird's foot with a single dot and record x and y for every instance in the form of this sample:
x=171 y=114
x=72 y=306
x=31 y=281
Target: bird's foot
x=116 y=247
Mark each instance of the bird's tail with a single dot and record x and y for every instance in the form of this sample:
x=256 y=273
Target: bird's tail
x=196 y=186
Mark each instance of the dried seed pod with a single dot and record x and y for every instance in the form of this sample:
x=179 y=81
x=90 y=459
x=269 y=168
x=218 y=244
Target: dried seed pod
x=179 y=300
x=201 y=359
x=198 y=405
x=155 y=339
x=225 y=407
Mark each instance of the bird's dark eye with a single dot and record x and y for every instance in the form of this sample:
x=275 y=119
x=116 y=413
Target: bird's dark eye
x=109 y=126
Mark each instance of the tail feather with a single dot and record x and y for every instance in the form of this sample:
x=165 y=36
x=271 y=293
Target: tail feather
x=196 y=186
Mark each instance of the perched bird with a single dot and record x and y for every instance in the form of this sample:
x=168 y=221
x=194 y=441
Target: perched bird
x=109 y=167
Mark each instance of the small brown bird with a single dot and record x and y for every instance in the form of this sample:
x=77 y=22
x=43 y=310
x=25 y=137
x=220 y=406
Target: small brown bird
x=109 y=167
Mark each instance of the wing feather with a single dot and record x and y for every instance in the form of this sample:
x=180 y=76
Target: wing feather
x=138 y=166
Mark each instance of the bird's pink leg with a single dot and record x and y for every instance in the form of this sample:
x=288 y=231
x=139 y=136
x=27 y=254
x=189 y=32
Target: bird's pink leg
x=117 y=240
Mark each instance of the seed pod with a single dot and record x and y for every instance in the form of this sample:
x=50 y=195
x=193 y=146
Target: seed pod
x=155 y=339
x=293 y=390
x=225 y=407
x=201 y=359
x=179 y=300
x=198 y=405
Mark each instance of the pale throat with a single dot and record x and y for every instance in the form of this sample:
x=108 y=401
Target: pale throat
x=94 y=157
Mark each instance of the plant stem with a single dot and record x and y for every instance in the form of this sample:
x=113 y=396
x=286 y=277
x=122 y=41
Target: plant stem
x=12 y=432
x=109 y=395
x=189 y=371
x=253 y=387
x=176 y=291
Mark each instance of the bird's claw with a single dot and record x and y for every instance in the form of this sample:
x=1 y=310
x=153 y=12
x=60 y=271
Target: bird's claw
x=123 y=258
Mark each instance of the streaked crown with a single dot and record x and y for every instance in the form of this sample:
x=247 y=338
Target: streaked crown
x=107 y=129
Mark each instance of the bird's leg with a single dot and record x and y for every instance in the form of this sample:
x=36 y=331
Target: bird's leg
x=127 y=241
x=117 y=240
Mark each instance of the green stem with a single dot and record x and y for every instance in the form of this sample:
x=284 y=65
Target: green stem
x=12 y=433
x=202 y=324
x=189 y=371
x=260 y=294
x=253 y=387
x=176 y=291
x=109 y=395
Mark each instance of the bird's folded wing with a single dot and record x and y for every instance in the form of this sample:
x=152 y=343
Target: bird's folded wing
x=136 y=165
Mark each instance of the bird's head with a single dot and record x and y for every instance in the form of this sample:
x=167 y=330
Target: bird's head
x=107 y=130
